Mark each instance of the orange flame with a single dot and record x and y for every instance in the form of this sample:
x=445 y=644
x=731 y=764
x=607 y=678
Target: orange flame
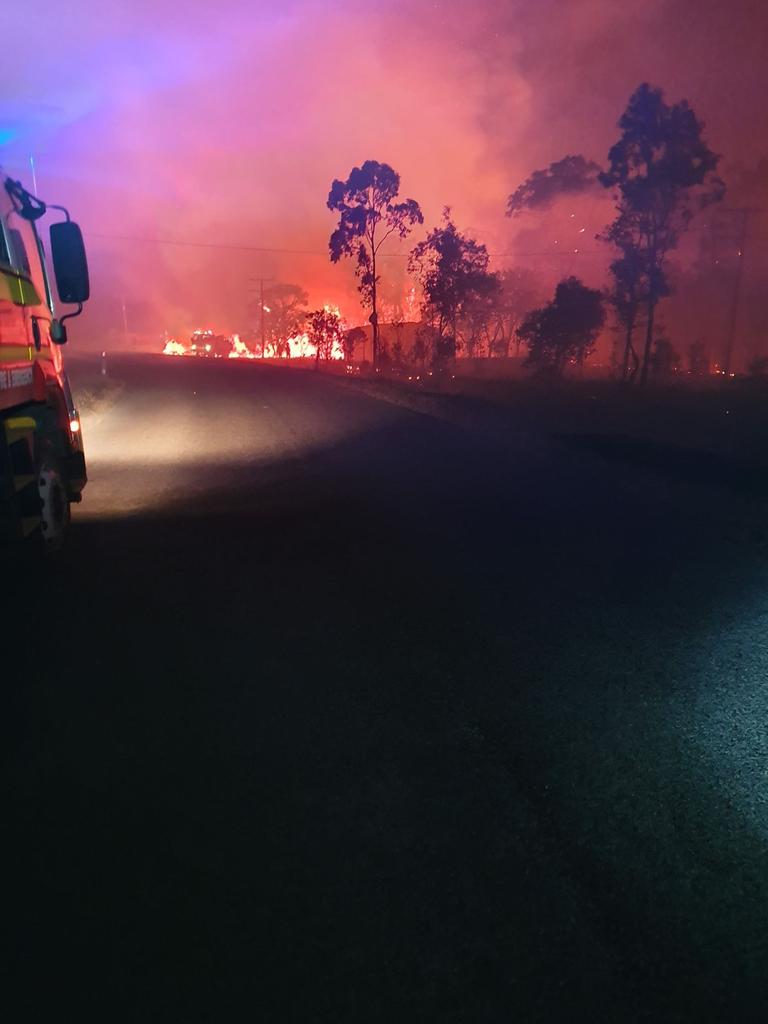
x=299 y=346
x=239 y=349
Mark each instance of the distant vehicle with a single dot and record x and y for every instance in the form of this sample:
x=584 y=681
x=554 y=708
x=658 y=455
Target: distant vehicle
x=42 y=464
x=206 y=344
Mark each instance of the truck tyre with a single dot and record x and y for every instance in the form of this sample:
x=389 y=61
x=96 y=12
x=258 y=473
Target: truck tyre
x=54 y=506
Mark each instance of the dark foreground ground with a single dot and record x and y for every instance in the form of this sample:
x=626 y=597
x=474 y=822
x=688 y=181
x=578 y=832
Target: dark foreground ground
x=335 y=711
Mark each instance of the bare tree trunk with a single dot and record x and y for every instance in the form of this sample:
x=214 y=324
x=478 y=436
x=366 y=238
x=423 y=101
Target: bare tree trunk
x=496 y=344
x=374 y=313
x=635 y=365
x=627 y=349
x=648 y=342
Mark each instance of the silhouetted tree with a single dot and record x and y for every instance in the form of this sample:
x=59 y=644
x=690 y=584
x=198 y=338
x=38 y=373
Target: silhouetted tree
x=369 y=215
x=284 y=312
x=518 y=293
x=352 y=338
x=663 y=173
x=397 y=323
x=664 y=359
x=698 y=360
x=573 y=175
x=477 y=318
x=565 y=330
x=385 y=356
x=628 y=292
x=325 y=331
x=420 y=348
x=452 y=269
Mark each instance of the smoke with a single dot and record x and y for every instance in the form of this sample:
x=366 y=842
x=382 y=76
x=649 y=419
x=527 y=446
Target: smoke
x=226 y=128
x=571 y=176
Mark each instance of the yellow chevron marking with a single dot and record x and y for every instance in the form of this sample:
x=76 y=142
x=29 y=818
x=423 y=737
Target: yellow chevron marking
x=18 y=290
x=16 y=353
x=19 y=424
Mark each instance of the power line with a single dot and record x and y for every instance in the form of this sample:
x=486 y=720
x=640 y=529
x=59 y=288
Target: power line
x=204 y=245
x=274 y=250
x=184 y=243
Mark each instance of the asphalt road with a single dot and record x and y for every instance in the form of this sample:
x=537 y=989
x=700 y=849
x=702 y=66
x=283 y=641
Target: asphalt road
x=337 y=711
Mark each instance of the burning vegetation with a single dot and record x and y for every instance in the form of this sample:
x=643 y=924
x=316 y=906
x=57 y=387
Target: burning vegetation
x=325 y=336
x=451 y=301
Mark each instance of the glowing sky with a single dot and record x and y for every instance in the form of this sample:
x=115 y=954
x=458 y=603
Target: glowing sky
x=226 y=124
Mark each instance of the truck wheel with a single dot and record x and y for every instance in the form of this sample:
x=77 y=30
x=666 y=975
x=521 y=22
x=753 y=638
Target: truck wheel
x=54 y=506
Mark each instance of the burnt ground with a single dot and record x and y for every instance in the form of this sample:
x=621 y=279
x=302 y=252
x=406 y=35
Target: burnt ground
x=334 y=710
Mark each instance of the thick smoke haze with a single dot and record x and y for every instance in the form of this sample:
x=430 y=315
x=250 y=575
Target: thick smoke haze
x=224 y=126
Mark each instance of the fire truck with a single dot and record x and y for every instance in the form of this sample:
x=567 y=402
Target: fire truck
x=42 y=465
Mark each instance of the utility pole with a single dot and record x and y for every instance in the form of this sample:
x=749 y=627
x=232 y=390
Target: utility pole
x=745 y=212
x=125 y=323
x=261 y=303
x=261 y=281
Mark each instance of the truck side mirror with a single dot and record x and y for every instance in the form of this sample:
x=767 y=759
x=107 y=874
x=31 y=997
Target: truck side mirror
x=70 y=264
